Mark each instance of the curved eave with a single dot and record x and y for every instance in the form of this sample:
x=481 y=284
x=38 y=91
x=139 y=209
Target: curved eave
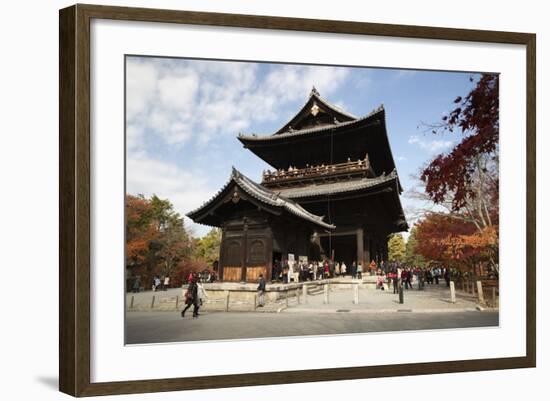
x=336 y=188
x=258 y=140
x=261 y=194
x=365 y=187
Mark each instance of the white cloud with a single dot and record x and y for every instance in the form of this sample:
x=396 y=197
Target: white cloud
x=187 y=190
x=180 y=100
x=174 y=103
x=405 y=74
x=433 y=146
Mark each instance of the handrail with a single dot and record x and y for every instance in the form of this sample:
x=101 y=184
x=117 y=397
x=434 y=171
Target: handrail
x=360 y=166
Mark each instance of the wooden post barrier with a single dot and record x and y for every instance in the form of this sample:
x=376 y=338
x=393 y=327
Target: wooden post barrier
x=132 y=303
x=480 y=296
x=356 y=294
x=325 y=289
x=227 y=301
x=304 y=293
x=255 y=302
x=453 y=295
x=153 y=302
x=177 y=301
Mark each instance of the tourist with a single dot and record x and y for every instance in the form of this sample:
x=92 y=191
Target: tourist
x=353 y=270
x=380 y=282
x=337 y=269
x=290 y=273
x=166 y=283
x=395 y=278
x=315 y=270
x=404 y=278
x=447 y=276
x=409 y=279
x=429 y=277
x=191 y=297
x=261 y=291
x=360 y=271
x=436 y=273
x=201 y=295
x=326 y=269
x=372 y=267
x=343 y=269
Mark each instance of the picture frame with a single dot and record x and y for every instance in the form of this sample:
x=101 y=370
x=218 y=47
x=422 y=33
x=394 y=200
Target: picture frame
x=75 y=204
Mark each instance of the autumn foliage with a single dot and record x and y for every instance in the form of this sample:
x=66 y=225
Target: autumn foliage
x=158 y=244
x=465 y=184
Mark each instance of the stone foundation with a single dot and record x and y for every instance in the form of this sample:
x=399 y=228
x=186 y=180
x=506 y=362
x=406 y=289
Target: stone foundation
x=229 y=296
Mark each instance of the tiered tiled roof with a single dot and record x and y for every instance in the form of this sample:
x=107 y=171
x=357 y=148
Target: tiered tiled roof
x=337 y=187
x=263 y=195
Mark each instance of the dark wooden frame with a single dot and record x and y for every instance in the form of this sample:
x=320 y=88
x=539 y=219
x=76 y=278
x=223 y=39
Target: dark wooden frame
x=74 y=203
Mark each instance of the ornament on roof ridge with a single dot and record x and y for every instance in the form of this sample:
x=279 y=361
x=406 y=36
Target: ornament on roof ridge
x=314 y=91
x=314 y=109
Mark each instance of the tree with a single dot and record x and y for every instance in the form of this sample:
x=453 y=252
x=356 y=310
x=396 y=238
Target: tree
x=156 y=239
x=465 y=180
x=396 y=248
x=412 y=257
x=140 y=230
x=208 y=247
x=454 y=243
x=174 y=244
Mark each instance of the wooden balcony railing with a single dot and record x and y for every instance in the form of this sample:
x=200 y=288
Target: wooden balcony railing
x=358 y=167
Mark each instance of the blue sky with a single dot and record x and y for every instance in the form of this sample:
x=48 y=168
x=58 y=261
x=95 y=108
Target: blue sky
x=183 y=117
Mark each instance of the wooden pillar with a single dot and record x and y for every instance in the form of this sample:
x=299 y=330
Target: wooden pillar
x=366 y=254
x=221 y=259
x=360 y=248
x=269 y=256
x=244 y=246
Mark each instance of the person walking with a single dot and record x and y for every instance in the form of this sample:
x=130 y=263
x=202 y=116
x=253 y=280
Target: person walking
x=353 y=270
x=201 y=295
x=192 y=297
x=343 y=269
x=166 y=283
x=261 y=291
x=337 y=269
x=360 y=271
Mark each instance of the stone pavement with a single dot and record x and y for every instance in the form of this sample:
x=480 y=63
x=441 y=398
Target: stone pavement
x=434 y=298
x=152 y=327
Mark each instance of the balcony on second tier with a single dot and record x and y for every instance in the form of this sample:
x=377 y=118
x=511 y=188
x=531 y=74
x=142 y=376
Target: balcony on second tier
x=321 y=173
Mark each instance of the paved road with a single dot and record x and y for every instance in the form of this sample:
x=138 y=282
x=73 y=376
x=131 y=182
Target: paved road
x=158 y=327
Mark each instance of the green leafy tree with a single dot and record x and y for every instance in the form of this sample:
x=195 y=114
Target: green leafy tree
x=412 y=257
x=396 y=248
x=207 y=248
